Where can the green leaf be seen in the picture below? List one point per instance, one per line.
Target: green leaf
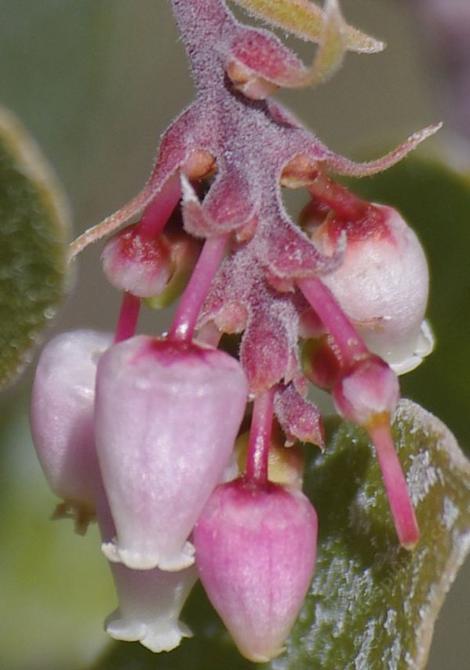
(371, 604)
(435, 200)
(34, 226)
(55, 585)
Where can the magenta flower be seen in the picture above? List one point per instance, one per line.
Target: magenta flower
(255, 549)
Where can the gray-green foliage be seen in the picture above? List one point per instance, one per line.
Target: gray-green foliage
(33, 233)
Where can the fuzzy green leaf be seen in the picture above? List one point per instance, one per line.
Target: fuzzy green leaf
(371, 604)
(33, 230)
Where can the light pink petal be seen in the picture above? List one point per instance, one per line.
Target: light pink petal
(167, 415)
(255, 550)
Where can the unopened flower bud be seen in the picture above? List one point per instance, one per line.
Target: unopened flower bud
(167, 415)
(382, 284)
(62, 418)
(138, 265)
(368, 390)
(255, 550)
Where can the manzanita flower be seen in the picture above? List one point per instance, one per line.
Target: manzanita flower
(382, 283)
(167, 415)
(62, 418)
(255, 550)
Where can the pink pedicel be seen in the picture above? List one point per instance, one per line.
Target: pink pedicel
(62, 418)
(382, 284)
(255, 552)
(403, 513)
(368, 395)
(167, 415)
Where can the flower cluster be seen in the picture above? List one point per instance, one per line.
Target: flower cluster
(149, 434)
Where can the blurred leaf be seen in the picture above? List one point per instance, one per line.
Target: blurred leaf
(371, 604)
(435, 200)
(55, 585)
(33, 230)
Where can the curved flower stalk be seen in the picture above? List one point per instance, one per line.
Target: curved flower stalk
(168, 409)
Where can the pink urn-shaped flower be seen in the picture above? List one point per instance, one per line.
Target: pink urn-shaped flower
(255, 551)
(382, 284)
(62, 417)
(167, 415)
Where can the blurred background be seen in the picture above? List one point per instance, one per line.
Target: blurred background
(96, 82)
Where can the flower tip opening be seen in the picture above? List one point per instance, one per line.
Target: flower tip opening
(144, 560)
(150, 603)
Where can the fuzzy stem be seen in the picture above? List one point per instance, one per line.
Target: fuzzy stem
(159, 210)
(128, 317)
(395, 484)
(191, 301)
(260, 439)
(201, 23)
(349, 343)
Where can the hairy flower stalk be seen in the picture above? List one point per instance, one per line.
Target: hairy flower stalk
(348, 283)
